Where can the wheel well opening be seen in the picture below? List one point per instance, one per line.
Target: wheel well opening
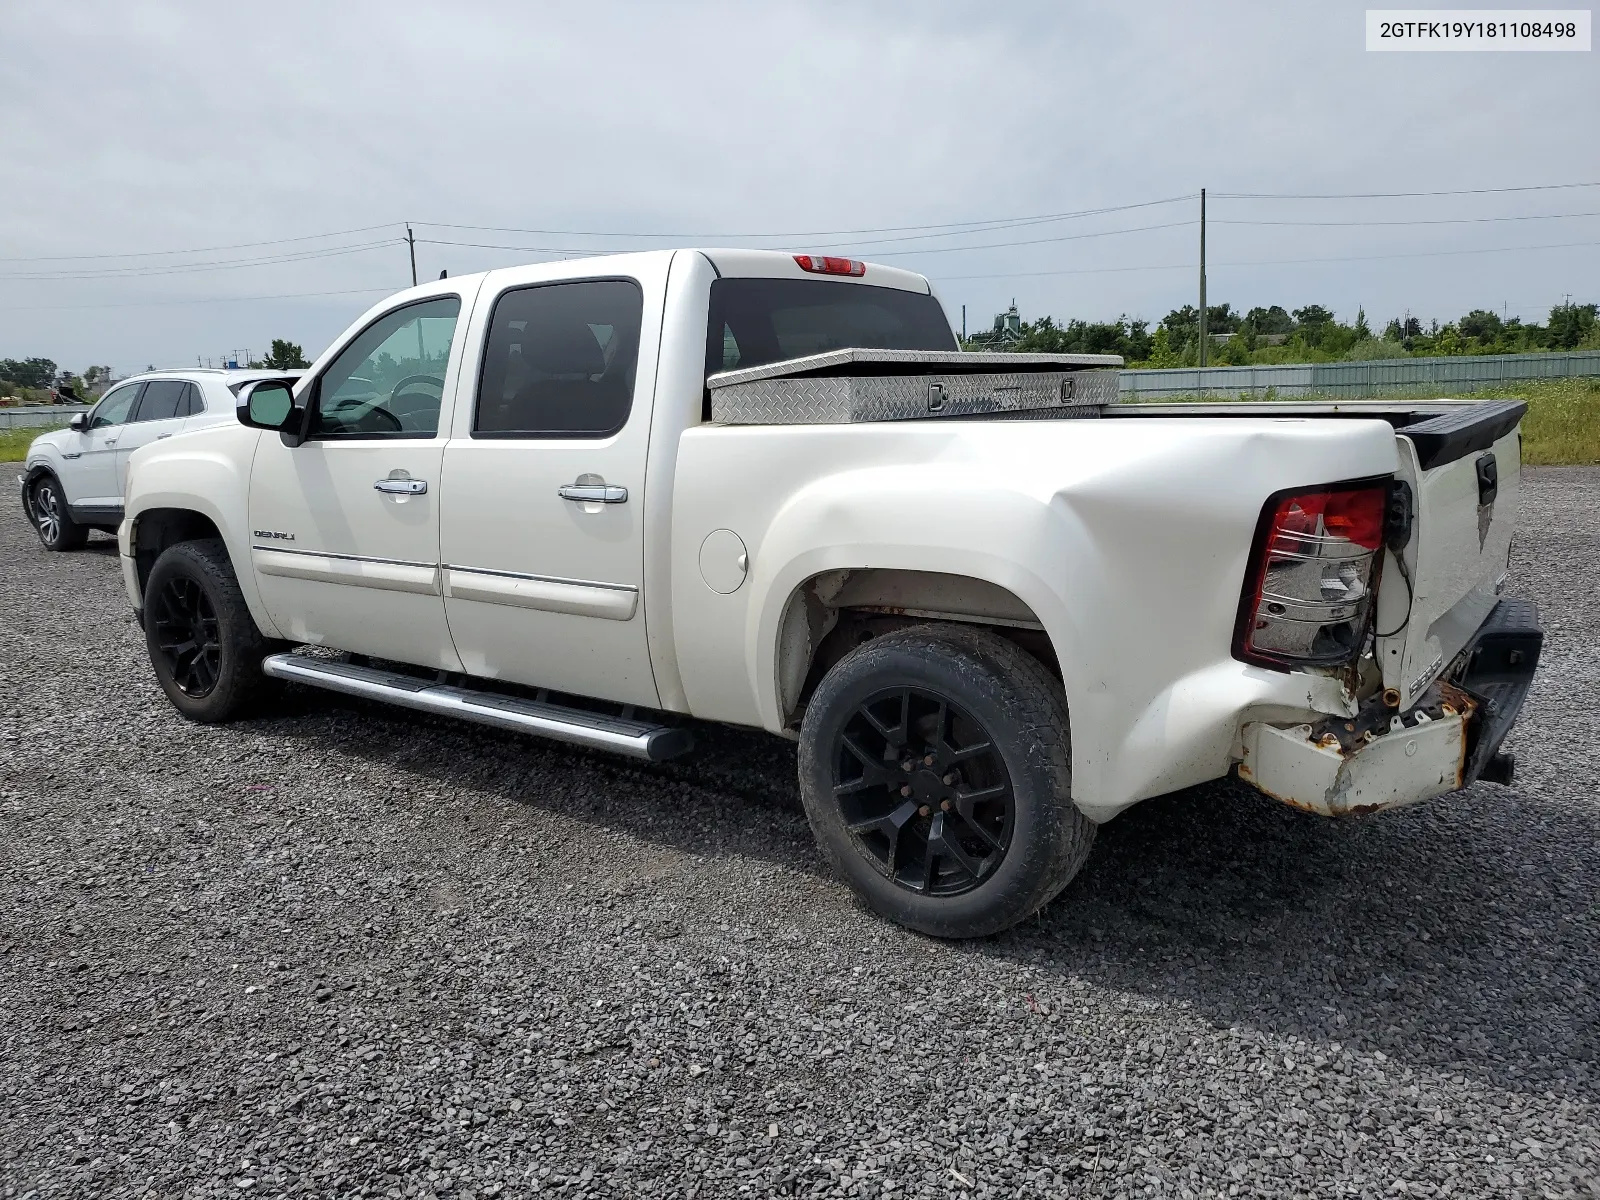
(158, 528)
(831, 614)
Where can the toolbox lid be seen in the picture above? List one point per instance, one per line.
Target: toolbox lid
(867, 362)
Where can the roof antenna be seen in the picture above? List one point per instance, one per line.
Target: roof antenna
(442, 274)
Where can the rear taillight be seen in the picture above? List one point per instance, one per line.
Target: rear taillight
(820, 264)
(1308, 592)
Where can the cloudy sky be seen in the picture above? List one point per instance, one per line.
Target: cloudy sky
(531, 129)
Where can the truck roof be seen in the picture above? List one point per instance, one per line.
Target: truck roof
(736, 263)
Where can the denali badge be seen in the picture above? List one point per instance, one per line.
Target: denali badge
(271, 535)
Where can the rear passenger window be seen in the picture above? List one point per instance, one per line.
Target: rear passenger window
(192, 403)
(560, 360)
(163, 399)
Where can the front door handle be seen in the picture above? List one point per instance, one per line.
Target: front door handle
(402, 487)
(594, 493)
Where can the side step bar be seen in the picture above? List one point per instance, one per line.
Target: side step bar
(637, 739)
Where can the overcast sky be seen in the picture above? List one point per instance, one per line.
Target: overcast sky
(132, 127)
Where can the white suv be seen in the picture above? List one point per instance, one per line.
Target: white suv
(75, 476)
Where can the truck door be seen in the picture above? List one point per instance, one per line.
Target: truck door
(542, 514)
(345, 526)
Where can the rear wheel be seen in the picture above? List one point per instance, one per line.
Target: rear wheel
(935, 769)
(203, 643)
(51, 519)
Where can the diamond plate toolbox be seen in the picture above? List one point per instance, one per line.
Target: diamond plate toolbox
(848, 386)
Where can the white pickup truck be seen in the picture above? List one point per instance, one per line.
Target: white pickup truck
(593, 500)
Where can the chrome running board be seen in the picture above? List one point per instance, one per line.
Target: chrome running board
(637, 739)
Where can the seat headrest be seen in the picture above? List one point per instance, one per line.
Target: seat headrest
(563, 347)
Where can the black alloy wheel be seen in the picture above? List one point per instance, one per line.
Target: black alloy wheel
(923, 791)
(187, 635)
(935, 767)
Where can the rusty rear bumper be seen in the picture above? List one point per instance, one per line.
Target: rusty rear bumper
(1382, 758)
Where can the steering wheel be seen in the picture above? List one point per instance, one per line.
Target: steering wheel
(406, 399)
(432, 381)
(375, 413)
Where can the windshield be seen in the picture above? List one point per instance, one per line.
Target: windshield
(759, 321)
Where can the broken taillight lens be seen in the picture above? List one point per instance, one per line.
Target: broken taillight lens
(1308, 592)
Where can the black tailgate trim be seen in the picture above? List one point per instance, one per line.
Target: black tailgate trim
(1452, 435)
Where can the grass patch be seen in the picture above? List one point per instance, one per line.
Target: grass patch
(14, 442)
(1562, 428)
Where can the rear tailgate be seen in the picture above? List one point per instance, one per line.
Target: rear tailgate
(1463, 468)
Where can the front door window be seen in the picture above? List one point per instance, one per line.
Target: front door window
(388, 382)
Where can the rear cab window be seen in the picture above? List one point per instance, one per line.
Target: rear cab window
(758, 321)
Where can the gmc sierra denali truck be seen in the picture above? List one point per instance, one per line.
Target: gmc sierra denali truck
(592, 500)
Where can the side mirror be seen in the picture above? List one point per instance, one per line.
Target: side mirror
(79, 422)
(266, 404)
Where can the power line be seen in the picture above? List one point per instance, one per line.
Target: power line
(1537, 187)
(384, 288)
(825, 233)
(953, 229)
(1070, 237)
(151, 269)
(202, 249)
(1271, 262)
(1418, 221)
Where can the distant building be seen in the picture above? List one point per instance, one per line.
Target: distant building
(1007, 331)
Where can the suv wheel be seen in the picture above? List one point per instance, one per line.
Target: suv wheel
(935, 769)
(54, 524)
(203, 643)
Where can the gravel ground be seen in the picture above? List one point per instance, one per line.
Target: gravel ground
(351, 951)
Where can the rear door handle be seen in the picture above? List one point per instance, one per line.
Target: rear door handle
(594, 493)
(402, 487)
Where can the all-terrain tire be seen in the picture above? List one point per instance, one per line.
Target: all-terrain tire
(1016, 707)
(47, 505)
(204, 646)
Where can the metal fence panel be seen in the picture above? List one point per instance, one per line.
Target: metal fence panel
(1361, 378)
(37, 417)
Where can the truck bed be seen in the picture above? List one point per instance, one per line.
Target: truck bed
(1441, 430)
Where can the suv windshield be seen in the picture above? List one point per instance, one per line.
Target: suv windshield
(759, 321)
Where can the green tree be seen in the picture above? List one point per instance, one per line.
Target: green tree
(1571, 324)
(1124, 336)
(1162, 353)
(1270, 320)
(285, 356)
(1363, 331)
(28, 372)
(1481, 325)
(1183, 328)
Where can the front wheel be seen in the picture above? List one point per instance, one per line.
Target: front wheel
(51, 519)
(935, 768)
(203, 643)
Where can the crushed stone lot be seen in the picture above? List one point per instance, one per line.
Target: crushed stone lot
(353, 951)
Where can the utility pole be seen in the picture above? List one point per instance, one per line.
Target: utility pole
(411, 242)
(963, 322)
(1204, 336)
